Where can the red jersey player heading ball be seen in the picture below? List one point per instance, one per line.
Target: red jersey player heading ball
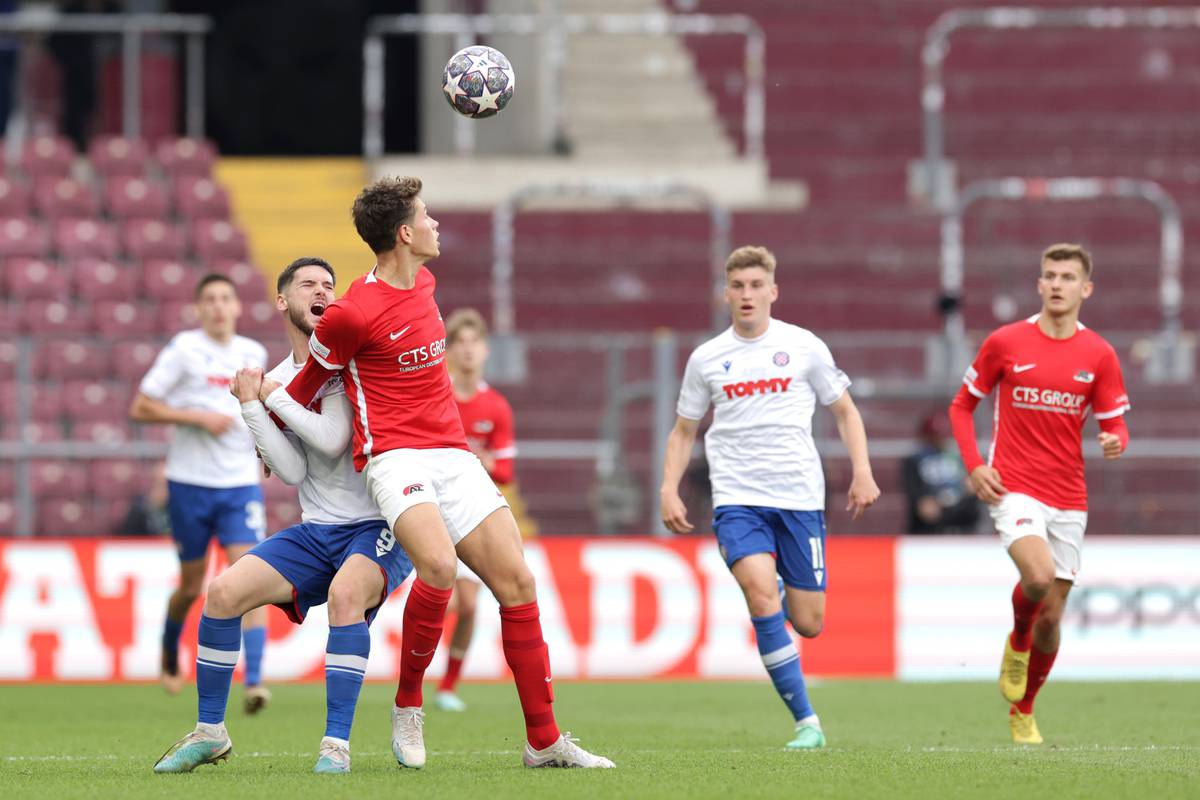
(386, 337)
(1049, 372)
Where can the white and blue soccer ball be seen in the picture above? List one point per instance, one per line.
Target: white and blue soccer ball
(478, 81)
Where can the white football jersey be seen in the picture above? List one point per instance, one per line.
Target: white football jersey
(193, 371)
(332, 492)
(763, 392)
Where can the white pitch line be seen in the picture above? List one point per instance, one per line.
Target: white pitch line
(1095, 748)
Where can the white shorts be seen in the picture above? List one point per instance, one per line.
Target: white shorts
(451, 479)
(1019, 515)
(465, 574)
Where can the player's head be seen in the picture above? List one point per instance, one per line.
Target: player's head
(390, 214)
(1065, 280)
(466, 341)
(304, 291)
(750, 287)
(217, 306)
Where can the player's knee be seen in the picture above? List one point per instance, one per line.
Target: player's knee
(763, 604)
(222, 599)
(346, 606)
(516, 588)
(1038, 583)
(809, 625)
(439, 570)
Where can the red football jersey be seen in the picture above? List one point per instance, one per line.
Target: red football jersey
(390, 346)
(1047, 387)
(488, 420)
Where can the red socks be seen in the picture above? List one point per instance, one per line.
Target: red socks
(450, 679)
(424, 615)
(1025, 611)
(1039, 668)
(529, 659)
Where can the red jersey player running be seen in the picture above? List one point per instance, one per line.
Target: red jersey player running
(1050, 372)
(386, 337)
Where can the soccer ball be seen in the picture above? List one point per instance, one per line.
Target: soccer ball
(478, 81)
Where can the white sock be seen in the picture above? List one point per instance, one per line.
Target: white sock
(811, 719)
(336, 741)
(215, 730)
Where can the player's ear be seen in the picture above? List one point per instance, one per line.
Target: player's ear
(1088, 288)
(403, 234)
(280, 303)
(774, 292)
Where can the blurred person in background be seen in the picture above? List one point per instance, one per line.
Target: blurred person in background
(212, 468)
(935, 482)
(148, 515)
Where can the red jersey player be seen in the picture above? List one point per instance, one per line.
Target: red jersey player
(1049, 372)
(386, 337)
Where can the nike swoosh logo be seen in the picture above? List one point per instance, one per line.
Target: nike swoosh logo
(547, 680)
(421, 655)
(399, 333)
(1023, 367)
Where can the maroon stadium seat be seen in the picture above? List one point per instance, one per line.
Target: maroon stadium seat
(164, 279)
(131, 359)
(121, 318)
(101, 279)
(8, 516)
(54, 316)
(9, 353)
(200, 197)
(215, 239)
(58, 197)
(58, 478)
(186, 156)
(45, 401)
(60, 516)
(128, 197)
(41, 431)
(27, 278)
(116, 155)
(259, 319)
(119, 477)
(102, 431)
(8, 479)
(23, 237)
(71, 358)
(176, 316)
(91, 401)
(14, 198)
(250, 283)
(47, 155)
(144, 239)
(76, 238)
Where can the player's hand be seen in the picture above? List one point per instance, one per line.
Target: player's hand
(245, 383)
(862, 495)
(268, 385)
(214, 422)
(1110, 443)
(986, 484)
(674, 513)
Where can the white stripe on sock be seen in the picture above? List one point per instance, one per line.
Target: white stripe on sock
(353, 662)
(213, 665)
(344, 671)
(225, 657)
(780, 656)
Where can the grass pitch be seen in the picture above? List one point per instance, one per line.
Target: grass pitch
(670, 740)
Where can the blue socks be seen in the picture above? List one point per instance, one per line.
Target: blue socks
(782, 661)
(345, 665)
(216, 656)
(254, 639)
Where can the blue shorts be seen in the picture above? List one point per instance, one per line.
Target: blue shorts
(198, 513)
(309, 555)
(795, 538)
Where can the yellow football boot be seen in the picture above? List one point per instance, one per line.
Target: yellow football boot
(1024, 728)
(1014, 672)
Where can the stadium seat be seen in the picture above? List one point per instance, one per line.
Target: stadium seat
(186, 156)
(260, 319)
(176, 316)
(54, 316)
(32, 278)
(57, 197)
(200, 197)
(92, 400)
(164, 279)
(71, 358)
(9, 354)
(58, 516)
(8, 516)
(8, 478)
(101, 279)
(120, 318)
(118, 477)
(102, 431)
(129, 197)
(117, 155)
(35, 432)
(58, 478)
(215, 239)
(76, 238)
(131, 358)
(144, 239)
(47, 155)
(23, 237)
(14, 198)
(250, 283)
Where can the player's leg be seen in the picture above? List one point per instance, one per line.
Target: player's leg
(466, 591)
(1021, 524)
(189, 508)
(241, 524)
(249, 583)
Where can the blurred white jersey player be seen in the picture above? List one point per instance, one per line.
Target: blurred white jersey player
(212, 471)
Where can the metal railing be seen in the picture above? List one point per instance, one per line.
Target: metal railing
(131, 28)
(937, 45)
(467, 28)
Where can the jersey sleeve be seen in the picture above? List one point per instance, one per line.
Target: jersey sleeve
(340, 334)
(1109, 398)
(823, 375)
(165, 373)
(503, 439)
(694, 396)
(987, 368)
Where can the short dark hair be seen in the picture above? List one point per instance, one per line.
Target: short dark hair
(381, 208)
(211, 278)
(289, 272)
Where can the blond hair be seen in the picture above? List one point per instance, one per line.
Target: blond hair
(750, 256)
(464, 319)
(1069, 252)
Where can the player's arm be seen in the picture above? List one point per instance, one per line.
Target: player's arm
(162, 377)
(1111, 401)
(502, 444)
(337, 339)
(680, 442)
(327, 432)
(282, 456)
(863, 489)
(981, 377)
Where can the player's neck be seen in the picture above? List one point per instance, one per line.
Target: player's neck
(1058, 326)
(220, 337)
(466, 384)
(398, 268)
(752, 332)
(298, 339)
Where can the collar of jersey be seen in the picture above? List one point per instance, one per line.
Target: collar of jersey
(733, 331)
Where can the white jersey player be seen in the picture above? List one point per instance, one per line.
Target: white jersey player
(764, 378)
